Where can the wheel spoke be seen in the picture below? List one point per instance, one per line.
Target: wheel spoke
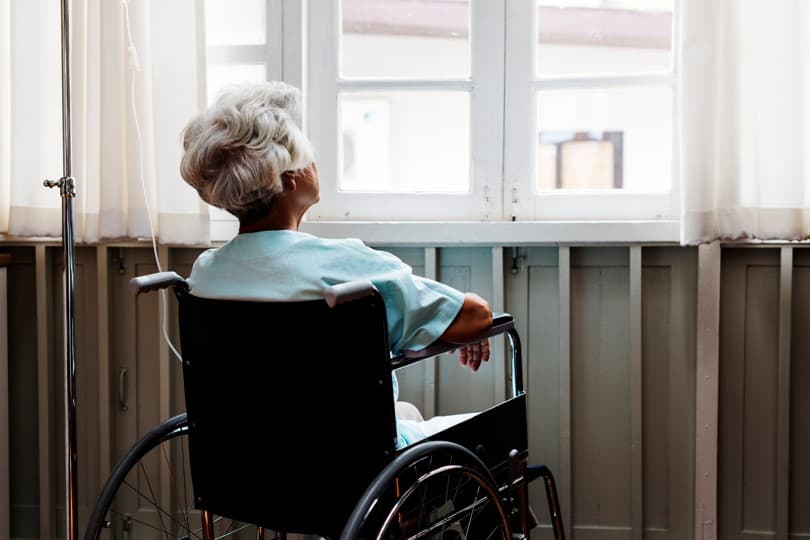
(116, 501)
(160, 510)
(154, 499)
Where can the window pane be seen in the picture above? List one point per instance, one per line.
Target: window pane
(614, 138)
(222, 75)
(585, 37)
(405, 142)
(405, 38)
(229, 24)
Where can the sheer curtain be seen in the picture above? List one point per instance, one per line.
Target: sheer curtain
(746, 120)
(109, 164)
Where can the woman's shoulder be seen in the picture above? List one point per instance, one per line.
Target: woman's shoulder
(336, 244)
(353, 253)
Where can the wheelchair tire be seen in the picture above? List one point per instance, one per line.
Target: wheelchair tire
(129, 508)
(433, 490)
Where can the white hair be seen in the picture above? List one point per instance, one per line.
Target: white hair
(236, 151)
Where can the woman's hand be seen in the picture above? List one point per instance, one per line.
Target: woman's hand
(472, 355)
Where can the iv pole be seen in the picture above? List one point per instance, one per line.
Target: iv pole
(67, 190)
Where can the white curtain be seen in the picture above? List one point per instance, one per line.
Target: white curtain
(109, 164)
(745, 119)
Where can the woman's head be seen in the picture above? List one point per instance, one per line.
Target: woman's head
(238, 149)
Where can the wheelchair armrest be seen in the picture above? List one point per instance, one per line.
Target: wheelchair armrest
(159, 280)
(501, 323)
(348, 292)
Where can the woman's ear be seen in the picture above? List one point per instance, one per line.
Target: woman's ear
(289, 180)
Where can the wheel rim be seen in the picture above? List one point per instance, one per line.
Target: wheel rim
(456, 518)
(439, 496)
(149, 496)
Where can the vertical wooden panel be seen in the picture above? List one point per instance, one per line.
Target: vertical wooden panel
(5, 499)
(540, 331)
(459, 389)
(783, 394)
(564, 291)
(47, 481)
(707, 380)
(749, 346)
(636, 396)
(760, 399)
(800, 398)
(534, 299)
(668, 373)
(600, 381)
(105, 428)
(657, 394)
(23, 380)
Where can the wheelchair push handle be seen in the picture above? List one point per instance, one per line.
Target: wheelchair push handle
(154, 282)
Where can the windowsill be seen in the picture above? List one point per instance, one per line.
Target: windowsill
(499, 233)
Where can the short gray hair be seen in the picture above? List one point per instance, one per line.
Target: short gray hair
(236, 151)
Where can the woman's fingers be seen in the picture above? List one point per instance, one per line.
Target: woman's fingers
(473, 355)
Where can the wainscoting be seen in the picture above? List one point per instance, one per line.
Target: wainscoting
(668, 386)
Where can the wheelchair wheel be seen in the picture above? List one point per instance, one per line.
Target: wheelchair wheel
(434, 490)
(133, 504)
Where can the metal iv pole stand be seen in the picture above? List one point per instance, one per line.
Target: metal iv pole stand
(67, 189)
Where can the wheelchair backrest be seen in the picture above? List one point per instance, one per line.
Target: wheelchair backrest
(290, 407)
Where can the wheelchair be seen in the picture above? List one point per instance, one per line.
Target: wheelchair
(290, 428)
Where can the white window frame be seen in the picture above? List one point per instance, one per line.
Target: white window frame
(522, 84)
(484, 200)
(607, 217)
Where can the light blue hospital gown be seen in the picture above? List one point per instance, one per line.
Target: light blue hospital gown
(291, 266)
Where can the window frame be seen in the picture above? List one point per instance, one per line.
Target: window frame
(563, 217)
(522, 85)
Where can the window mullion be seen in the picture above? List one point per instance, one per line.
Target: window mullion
(519, 109)
(487, 113)
(273, 40)
(322, 121)
(293, 45)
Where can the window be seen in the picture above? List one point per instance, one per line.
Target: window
(600, 79)
(405, 109)
(471, 110)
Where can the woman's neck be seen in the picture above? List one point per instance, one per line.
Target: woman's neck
(280, 218)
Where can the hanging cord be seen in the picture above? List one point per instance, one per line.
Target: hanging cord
(135, 67)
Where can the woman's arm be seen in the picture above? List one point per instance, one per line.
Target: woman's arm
(474, 318)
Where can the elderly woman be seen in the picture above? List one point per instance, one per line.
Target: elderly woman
(248, 155)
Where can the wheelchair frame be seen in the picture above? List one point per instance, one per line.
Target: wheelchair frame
(502, 471)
